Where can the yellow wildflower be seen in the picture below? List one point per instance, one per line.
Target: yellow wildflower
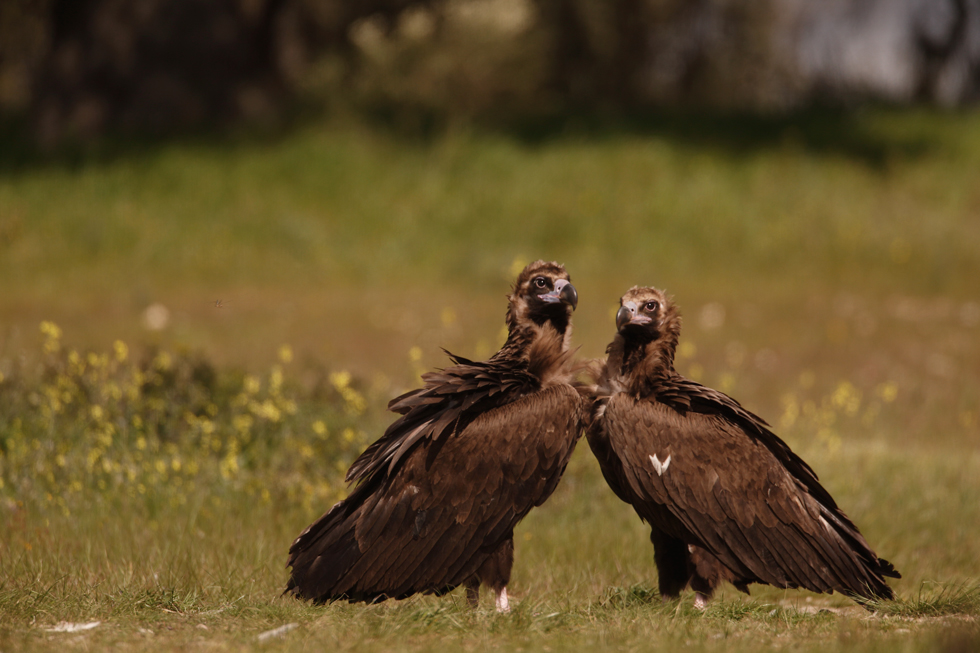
(275, 380)
(122, 351)
(163, 361)
(341, 379)
(791, 411)
(53, 333)
(251, 384)
(50, 329)
(229, 466)
(355, 403)
(846, 397)
(242, 423)
(887, 391)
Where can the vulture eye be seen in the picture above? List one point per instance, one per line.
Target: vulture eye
(540, 282)
(651, 306)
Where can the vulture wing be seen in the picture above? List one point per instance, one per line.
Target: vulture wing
(448, 401)
(699, 467)
(432, 505)
(685, 396)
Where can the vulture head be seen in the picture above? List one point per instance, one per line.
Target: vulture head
(649, 326)
(542, 295)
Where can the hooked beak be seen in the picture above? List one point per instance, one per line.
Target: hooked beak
(627, 315)
(564, 292)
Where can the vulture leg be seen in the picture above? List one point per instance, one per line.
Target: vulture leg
(495, 574)
(503, 605)
(707, 573)
(473, 592)
(671, 558)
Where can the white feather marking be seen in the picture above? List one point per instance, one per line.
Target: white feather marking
(602, 411)
(660, 467)
(414, 489)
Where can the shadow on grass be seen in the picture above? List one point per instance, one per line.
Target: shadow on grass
(20, 152)
(854, 134)
(820, 131)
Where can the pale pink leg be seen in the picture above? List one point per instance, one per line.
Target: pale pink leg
(700, 601)
(503, 605)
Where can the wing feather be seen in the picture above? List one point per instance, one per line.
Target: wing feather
(731, 487)
(451, 397)
(465, 515)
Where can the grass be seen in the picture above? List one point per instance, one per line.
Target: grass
(152, 479)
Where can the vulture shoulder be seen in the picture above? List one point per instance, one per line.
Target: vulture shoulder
(448, 401)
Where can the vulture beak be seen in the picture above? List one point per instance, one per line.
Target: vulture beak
(627, 315)
(564, 292)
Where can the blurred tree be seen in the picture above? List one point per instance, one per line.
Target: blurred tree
(156, 65)
(23, 43)
(87, 66)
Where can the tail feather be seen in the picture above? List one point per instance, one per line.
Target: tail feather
(324, 552)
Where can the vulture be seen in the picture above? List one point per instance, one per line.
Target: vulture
(437, 497)
(725, 498)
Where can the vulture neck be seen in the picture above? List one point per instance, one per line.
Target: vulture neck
(640, 365)
(540, 349)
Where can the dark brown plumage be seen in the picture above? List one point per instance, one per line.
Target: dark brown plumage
(439, 494)
(725, 498)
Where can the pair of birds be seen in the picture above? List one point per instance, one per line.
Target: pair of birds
(437, 497)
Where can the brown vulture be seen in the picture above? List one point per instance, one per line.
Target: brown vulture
(725, 498)
(439, 494)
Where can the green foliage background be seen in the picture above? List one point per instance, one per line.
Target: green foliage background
(152, 479)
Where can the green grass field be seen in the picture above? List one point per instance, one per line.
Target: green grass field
(152, 479)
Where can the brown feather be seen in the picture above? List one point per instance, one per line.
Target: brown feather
(745, 505)
(438, 495)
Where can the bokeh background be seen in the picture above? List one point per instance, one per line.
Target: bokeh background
(230, 231)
